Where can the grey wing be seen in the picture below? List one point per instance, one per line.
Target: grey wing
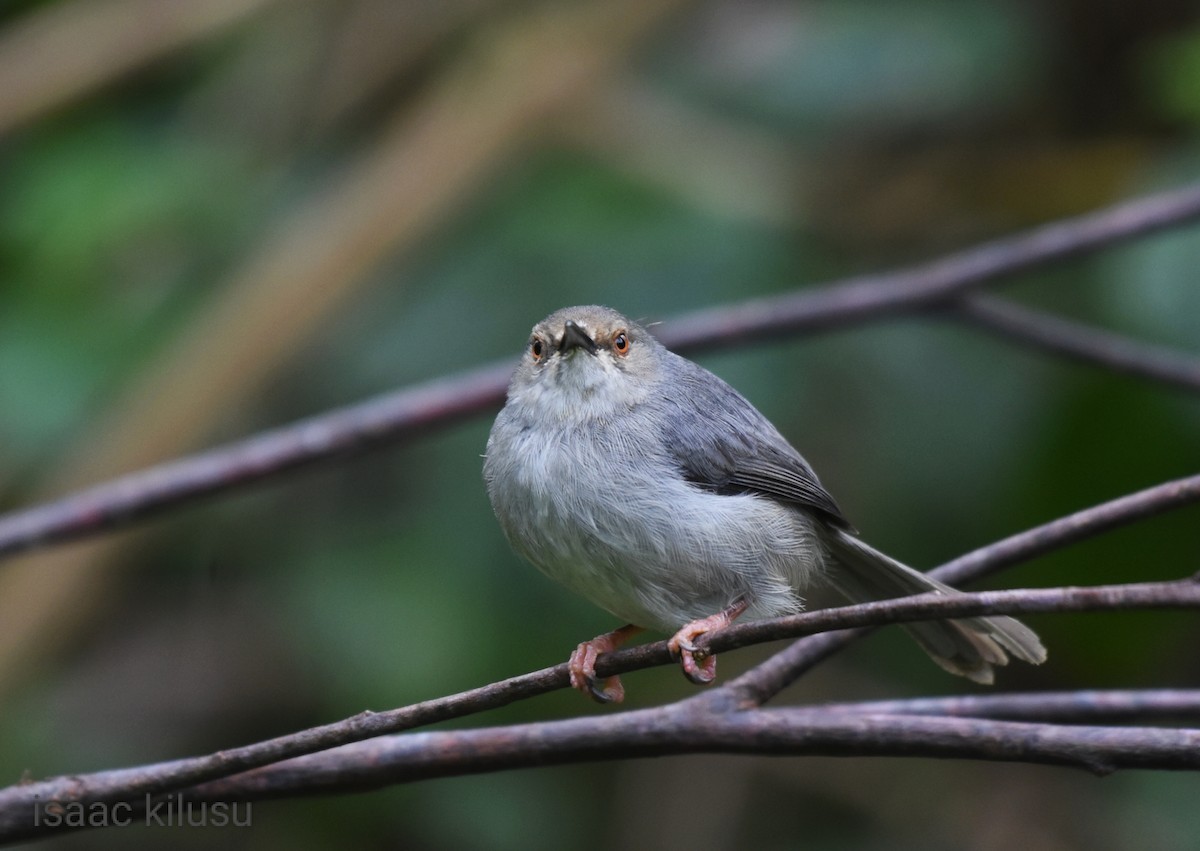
(724, 444)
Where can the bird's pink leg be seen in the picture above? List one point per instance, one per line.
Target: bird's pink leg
(681, 647)
(582, 665)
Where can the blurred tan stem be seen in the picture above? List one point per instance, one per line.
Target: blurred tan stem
(66, 50)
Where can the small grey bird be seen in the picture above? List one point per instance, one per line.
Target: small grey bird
(650, 486)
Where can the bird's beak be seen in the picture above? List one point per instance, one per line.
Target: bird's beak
(575, 337)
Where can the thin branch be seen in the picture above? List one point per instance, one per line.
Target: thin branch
(1080, 342)
(1061, 706)
(1071, 529)
(769, 678)
(128, 784)
(870, 296)
(398, 416)
(383, 419)
(134, 783)
(1181, 594)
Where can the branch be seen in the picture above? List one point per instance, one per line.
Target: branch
(1062, 706)
(674, 730)
(1071, 529)
(870, 296)
(1179, 594)
(16, 803)
(682, 729)
(384, 419)
(1080, 342)
(677, 730)
(399, 416)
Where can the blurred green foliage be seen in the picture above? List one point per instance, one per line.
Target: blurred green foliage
(907, 129)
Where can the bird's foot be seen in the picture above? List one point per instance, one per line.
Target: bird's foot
(698, 666)
(582, 665)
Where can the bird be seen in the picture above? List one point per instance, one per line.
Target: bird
(648, 485)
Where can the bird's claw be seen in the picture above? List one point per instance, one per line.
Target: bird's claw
(610, 692)
(698, 666)
(701, 671)
(684, 645)
(581, 667)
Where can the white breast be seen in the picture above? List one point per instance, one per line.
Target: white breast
(645, 545)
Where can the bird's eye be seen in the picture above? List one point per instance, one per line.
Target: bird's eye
(620, 343)
(536, 348)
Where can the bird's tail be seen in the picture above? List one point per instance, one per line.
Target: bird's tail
(965, 646)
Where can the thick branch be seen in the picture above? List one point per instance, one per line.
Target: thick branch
(660, 732)
(675, 730)
(774, 732)
(400, 415)
(1080, 342)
